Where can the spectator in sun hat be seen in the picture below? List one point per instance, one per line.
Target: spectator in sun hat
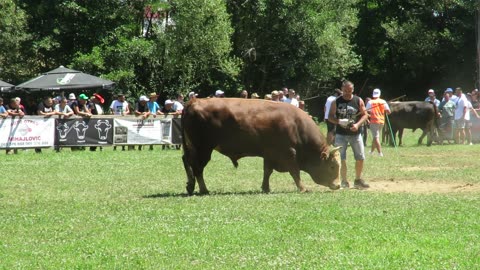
(431, 98)
(153, 105)
(254, 96)
(219, 94)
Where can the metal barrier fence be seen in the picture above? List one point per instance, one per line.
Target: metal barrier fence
(101, 130)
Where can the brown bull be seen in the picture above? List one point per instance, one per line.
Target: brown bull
(285, 136)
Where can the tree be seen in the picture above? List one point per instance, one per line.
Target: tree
(409, 46)
(13, 32)
(302, 44)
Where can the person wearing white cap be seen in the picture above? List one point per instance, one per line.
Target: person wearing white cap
(168, 108)
(192, 95)
(431, 98)
(141, 108)
(377, 109)
(219, 94)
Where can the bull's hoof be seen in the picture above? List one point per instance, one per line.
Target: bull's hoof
(304, 190)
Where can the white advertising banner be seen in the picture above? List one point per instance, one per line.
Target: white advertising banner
(27, 132)
(137, 131)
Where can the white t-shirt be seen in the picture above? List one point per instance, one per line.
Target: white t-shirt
(66, 109)
(328, 104)
(118, 107)
(177, 106)
(460, 104)
(292, 101)
(469, 107)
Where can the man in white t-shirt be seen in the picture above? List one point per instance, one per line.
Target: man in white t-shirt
(292, 98)
(178, 104)
(119, 106)
(468, 122)
(460, 112)
(330, 126)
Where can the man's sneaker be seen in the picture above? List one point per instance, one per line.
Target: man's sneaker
(380, 154)
(360, 183)
(345, 184)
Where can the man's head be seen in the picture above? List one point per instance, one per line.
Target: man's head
(347, 87)
(275, 95)
(291, 93)
(47, 101)
(376, 93)
(180, 97)
(72, 96)
(458, 91)
(244, 94)
(431, 93)
(121, 97)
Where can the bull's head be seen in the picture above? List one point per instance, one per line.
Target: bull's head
(326, 170)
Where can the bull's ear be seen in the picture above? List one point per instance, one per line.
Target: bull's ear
(335, 149)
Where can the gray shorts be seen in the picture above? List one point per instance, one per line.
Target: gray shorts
(355, 141)
(375, 130)
(459, 123)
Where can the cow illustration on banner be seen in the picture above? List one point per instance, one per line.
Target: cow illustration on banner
(83, 131)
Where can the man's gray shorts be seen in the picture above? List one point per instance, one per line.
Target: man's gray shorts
(355, 141)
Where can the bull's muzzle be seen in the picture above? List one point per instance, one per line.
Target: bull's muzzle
(334, 186)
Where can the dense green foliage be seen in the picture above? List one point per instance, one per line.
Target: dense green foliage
(173, 46)
(128, 210)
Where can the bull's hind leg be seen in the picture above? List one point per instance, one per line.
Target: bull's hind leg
(201, 159)
(267, 171)
(190, 176)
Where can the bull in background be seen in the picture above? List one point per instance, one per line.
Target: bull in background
(285, 136)
(413, 115)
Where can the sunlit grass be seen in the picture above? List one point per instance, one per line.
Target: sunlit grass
(128, 210)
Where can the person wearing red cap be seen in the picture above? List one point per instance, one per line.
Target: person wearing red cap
(95, 106)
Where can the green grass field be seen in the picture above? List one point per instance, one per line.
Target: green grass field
(128, 210)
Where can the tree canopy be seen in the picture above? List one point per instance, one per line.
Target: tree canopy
(169, 46)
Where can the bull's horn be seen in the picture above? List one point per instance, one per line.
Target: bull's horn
(335, 149)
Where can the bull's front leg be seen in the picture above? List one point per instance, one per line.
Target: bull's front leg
(296, 177)
(267, 171)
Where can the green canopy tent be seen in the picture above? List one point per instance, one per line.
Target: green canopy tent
(64, 79)
(5, 87)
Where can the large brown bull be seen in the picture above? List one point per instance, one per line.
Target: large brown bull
(285, 136)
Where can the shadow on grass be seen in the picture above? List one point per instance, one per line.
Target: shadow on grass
(240, 193)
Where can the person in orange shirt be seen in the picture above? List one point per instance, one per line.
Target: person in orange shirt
(377, 109)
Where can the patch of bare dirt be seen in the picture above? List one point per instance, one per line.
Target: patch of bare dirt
(422, 187)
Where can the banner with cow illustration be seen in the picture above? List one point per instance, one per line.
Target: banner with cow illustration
(137, 131)
(31, 132)
(84, 131)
